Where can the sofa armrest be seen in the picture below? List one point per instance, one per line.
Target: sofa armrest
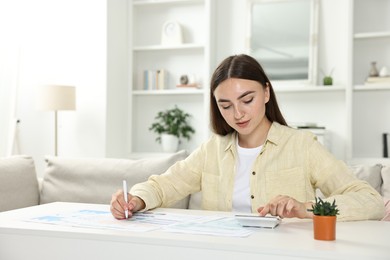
(18, 182)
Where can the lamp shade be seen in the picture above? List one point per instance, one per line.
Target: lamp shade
(56, 98)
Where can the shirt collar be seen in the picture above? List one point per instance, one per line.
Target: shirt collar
(274, 134)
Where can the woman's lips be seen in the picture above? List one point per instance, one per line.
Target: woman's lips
(243, 124)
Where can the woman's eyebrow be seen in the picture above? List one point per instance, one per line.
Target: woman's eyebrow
(239, 97)
(221, 100)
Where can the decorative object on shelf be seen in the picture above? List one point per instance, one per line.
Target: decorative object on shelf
(327, 80)
(382, 78)
(373, 70)
(384, 72)
(188, 81)
(172, 122)
(320, 131)
(324, 219)
(385, 81)
(183, 79)
(56, 98)
(171, 33)
(385, 145)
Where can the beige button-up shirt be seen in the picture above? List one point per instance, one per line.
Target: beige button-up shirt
(292, 162)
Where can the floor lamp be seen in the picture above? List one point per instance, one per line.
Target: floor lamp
(57, 98)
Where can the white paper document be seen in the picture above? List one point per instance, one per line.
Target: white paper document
(211, 225)
(147, 221)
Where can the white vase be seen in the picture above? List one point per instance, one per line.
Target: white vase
(384, 72)
(169, 143)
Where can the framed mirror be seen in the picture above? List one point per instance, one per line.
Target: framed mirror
(283, 38)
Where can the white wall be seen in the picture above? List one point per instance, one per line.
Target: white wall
(60, 42)
(117, 80)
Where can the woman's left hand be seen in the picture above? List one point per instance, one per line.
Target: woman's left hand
(286, 207)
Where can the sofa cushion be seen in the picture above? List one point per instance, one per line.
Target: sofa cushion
(92, 180)
(386, 182)
(18, 182)
(370, 173)
(195, 201)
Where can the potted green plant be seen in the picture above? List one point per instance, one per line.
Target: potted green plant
(171, 125)
(324, 219)
(327, 80)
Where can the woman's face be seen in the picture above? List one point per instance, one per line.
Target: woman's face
(242, 104)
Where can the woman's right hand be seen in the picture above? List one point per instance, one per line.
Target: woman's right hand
(119, 205)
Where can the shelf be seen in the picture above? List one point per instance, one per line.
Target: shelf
(292, 89)
(201, 91)
(159, 2)
(168, 92)
(371, 35)
(185, 46)
(371, 87)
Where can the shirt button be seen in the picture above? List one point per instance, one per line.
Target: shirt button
(253, 173)
(252, 197)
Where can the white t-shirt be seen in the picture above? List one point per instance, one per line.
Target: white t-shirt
(241, 191)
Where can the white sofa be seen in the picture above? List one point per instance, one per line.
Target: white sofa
(92, 180)
(88, 180)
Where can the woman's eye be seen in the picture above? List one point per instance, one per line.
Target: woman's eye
(225, 107)
(248, 101)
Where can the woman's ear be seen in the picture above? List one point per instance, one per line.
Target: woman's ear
(267, 92)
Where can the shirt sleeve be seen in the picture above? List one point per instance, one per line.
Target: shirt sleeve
(180, 180)
(355, 198)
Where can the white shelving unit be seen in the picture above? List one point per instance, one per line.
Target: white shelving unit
(192, 57)
(146, 51)
(370, 103)
(354, 114)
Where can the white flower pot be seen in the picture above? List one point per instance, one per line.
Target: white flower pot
(169, 143)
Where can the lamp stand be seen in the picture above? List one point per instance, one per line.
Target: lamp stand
(55, 132)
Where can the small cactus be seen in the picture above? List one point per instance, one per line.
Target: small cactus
(324, 208)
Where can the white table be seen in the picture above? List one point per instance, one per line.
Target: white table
(293, 239)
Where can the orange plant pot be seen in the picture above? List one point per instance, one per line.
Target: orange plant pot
(324, 227)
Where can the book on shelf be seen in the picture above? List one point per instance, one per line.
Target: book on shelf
(378, 80)
(155, 79)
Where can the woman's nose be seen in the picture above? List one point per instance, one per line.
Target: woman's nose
(238, 114)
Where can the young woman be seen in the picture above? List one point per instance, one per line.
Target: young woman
(254, 162)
